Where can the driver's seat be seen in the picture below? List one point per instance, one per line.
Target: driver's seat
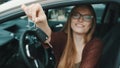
(111, 52)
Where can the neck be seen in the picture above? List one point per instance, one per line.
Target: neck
(78, 38)
(79, 44)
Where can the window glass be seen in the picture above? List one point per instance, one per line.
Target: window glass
(61, 14)
(57, 17)
(3, 1)
(99, 10)
(118, 18)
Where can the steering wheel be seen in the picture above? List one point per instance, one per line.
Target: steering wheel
(32, 50)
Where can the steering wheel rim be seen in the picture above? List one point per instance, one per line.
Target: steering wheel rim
(26, 49)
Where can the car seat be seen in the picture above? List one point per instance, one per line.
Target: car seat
(111, 53)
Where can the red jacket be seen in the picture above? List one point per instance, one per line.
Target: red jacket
(90, 55)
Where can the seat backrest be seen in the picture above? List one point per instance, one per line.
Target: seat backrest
(111, 53)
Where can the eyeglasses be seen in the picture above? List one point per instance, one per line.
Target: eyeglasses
(85, 17)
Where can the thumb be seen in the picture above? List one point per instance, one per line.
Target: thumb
(24, 7)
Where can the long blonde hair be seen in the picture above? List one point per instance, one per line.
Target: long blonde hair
(69, 54)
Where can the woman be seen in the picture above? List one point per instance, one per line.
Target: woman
(75, 46)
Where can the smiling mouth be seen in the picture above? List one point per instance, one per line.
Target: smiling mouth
(79, 25)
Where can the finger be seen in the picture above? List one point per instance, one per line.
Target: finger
(39, 12)
(40, 7)
(24, 7)
(41, 18)
(27, 10)
(34, 12)
(33, 15)
(40, 15)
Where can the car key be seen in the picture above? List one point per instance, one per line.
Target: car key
(41, 35)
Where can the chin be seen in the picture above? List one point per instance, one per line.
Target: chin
(80, 32)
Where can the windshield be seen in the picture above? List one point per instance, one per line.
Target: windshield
(3, 1)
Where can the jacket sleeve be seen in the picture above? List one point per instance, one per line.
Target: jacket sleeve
(92, 54)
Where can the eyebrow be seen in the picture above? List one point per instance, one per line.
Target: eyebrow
(81, 14)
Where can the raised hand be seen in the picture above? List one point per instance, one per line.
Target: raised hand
(37, 15)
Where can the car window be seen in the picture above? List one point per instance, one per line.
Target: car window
(3, 1)
(99, 10)
(118, 20)
(57, 17)
(61, 14)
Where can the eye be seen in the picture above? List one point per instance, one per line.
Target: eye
(76, 15)
(88, 17)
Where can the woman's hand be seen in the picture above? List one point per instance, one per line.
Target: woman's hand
(37, 15)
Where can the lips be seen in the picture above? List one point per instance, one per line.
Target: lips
(80, 25)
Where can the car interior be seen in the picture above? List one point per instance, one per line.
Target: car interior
(110, 56)
(107, 29)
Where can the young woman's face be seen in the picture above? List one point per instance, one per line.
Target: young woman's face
(81, 20)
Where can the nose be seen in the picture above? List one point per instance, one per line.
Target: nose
(81, 19)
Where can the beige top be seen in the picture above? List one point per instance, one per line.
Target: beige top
(77, 65)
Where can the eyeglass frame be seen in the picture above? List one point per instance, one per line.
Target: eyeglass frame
(81, 15)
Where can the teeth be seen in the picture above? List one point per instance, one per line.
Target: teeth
(79, 25)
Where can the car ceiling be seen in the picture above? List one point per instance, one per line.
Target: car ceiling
(16, 11)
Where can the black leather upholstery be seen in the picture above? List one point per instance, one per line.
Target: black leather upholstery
(111, 53)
